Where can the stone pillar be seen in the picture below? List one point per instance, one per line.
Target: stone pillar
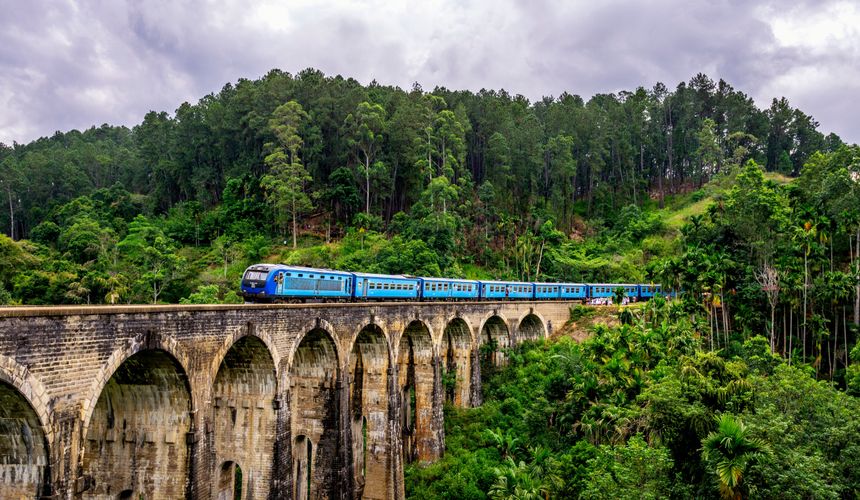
(476, 396)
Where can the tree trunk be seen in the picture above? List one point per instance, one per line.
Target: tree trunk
(790, 332)
(540, 257)
(11, 213)
(367, 182)
(857, 287)
(772, 328)
(845, 335)
(805, 290)
(295, 223)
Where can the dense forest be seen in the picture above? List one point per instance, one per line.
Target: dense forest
(753, 215)
(646, 410)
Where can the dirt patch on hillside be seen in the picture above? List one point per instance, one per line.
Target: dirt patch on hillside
(584, 318)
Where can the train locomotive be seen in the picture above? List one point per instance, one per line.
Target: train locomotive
(281, 283)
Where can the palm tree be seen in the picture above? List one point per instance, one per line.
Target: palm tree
(522, 481)
(505, 441)
(729, 450)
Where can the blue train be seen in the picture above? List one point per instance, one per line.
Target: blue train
(280, 283)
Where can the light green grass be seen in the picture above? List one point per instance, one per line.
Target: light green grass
(675, 219)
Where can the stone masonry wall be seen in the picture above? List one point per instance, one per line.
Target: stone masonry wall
(168, 401)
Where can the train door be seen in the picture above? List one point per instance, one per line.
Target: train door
(279, 284)
(364, 288)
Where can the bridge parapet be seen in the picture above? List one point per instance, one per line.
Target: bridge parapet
(282, 401)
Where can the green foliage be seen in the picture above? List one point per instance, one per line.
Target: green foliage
(211, 294)
(285, 183)
(153, 256)
(728, 451)
(642, 411)
(633, 470)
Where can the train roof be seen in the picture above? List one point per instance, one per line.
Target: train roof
(489, 282)
(385, 276)
(545, 283)
(613, 284)
(458, 280)
(287, 267)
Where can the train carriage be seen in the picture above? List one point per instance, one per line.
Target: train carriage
(547, 291)
(574, 291)
(650, 291)
(382, 286)
(607, 290)
(492, 290)
(449, 289)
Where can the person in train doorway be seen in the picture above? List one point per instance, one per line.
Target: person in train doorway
(507, 291)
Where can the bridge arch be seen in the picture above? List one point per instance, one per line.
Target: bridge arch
(494, 330)
(137, 437)
(24, 434)
(145, 341)
(244, 417)
(456, 357)
(416, 379)
(307, 327)
(369, 366)
(531, 326)
(249, 330)
(228, 481)
(31, 388)
(314, 382)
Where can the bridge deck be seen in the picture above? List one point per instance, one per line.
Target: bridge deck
(79, 310)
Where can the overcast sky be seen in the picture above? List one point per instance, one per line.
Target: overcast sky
(74, 64)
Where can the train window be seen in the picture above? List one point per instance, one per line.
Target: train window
(289, 274)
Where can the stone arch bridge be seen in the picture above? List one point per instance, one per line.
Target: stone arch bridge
(249, 401)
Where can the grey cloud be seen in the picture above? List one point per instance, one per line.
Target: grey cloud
(77, 64)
